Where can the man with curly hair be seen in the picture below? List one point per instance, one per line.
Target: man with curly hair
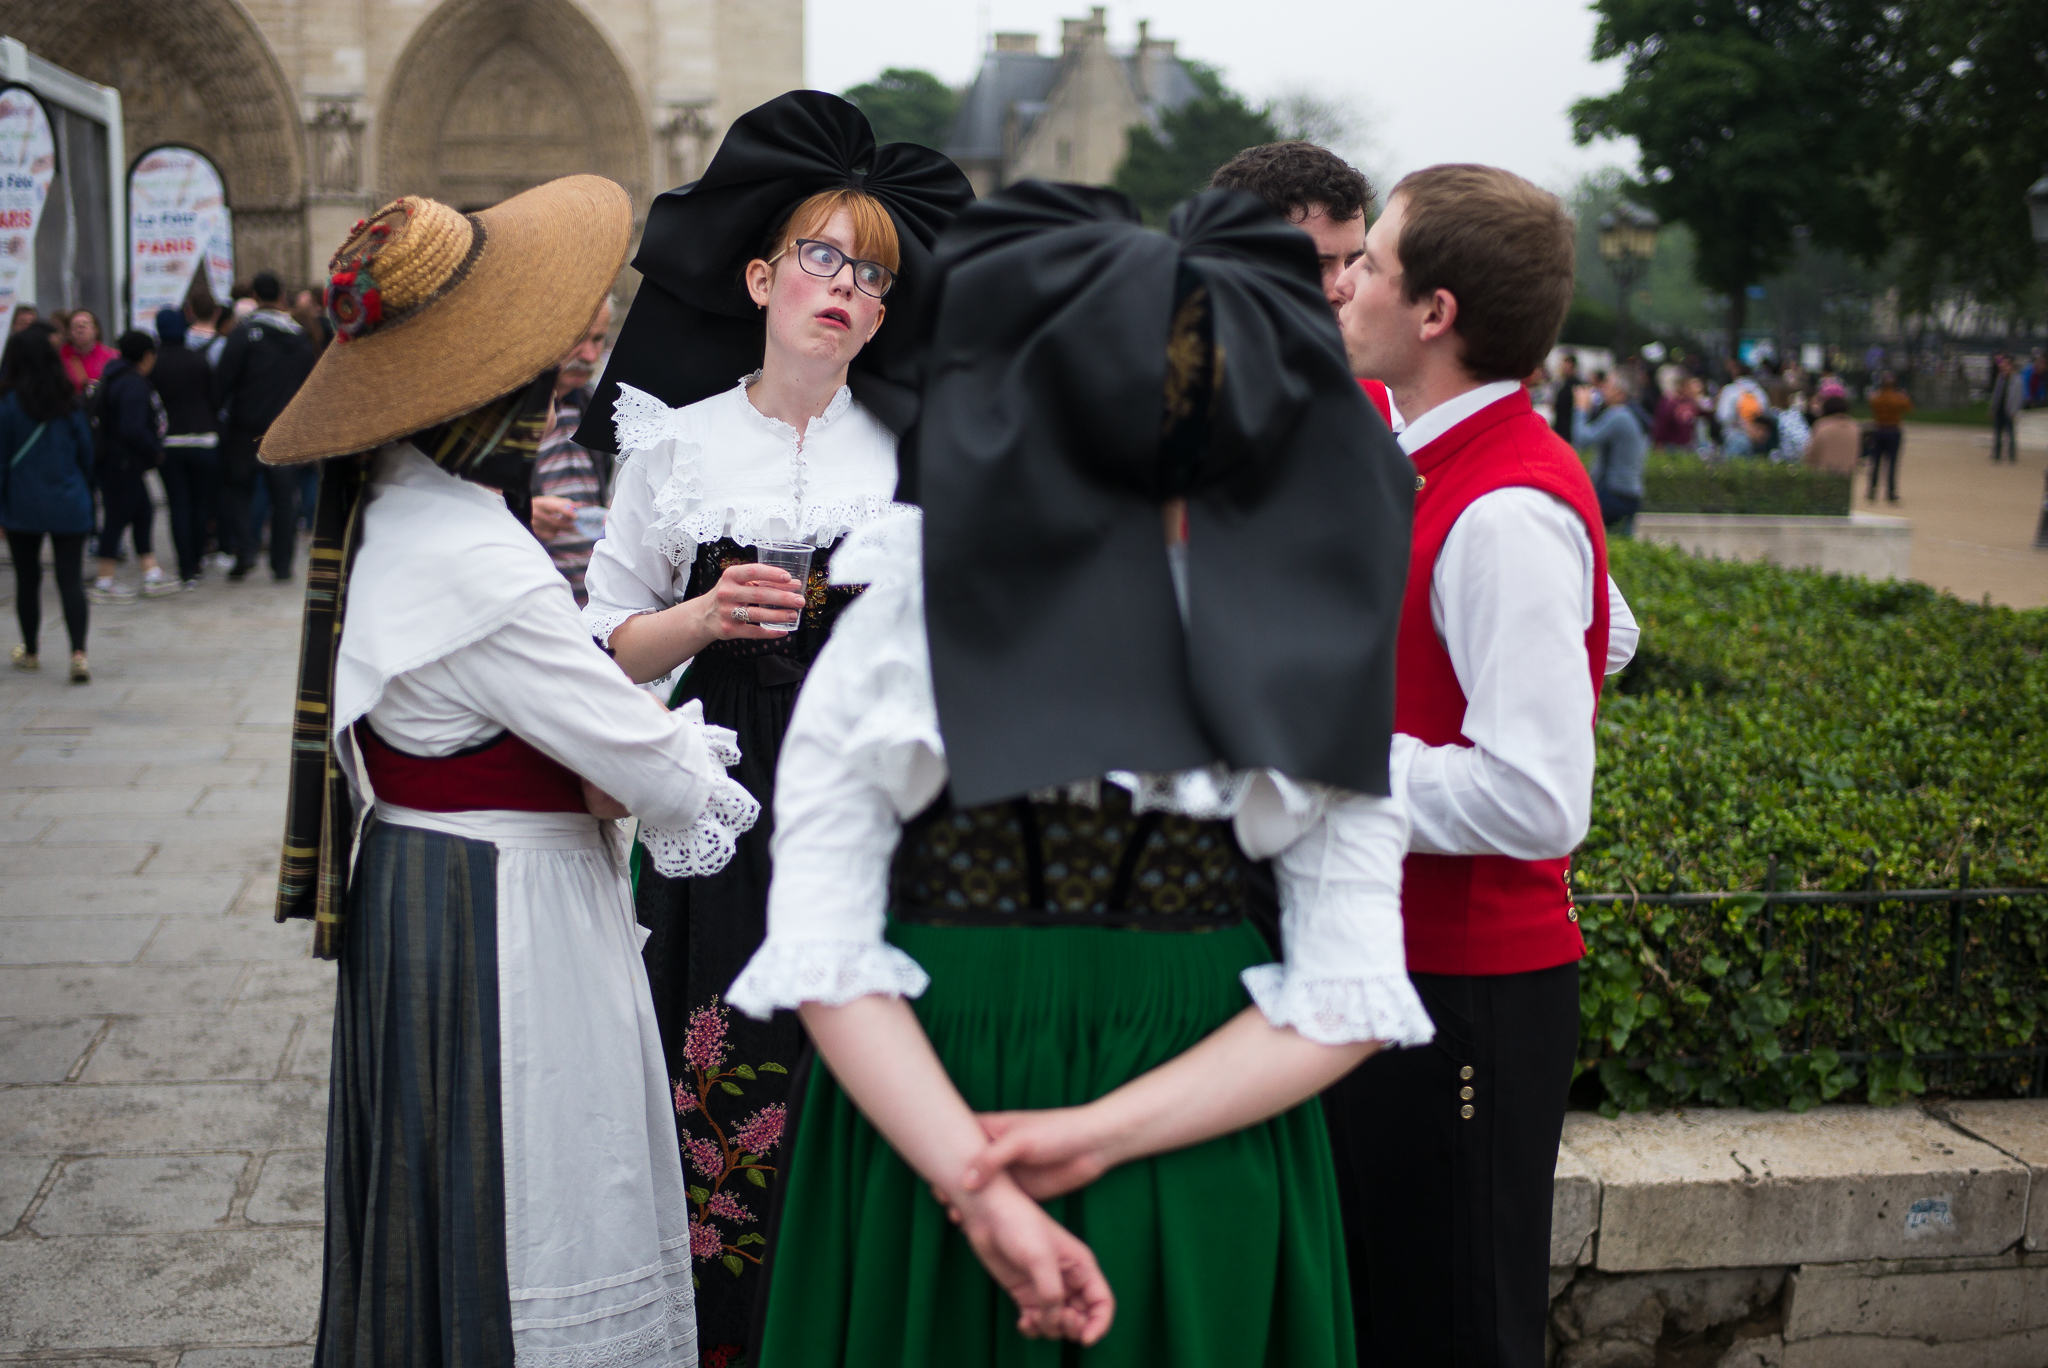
(1312, 188)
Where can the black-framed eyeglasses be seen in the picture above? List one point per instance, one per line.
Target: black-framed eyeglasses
(822, 259)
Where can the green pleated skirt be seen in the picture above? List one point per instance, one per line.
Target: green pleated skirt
(1227, 1254)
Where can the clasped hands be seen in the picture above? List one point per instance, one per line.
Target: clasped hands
(1032, 1157)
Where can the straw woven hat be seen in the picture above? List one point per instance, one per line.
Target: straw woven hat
(437, 312)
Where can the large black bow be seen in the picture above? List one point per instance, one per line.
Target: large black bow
(692, 330)
(1057, 649)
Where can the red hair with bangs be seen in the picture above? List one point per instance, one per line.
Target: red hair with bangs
(874, 232)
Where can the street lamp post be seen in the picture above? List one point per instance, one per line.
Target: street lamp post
(2037, 210)
(1628, 239)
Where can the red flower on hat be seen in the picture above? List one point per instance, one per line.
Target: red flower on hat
(354, 303)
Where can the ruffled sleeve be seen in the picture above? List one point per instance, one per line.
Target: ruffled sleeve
(638, 566)
(862, 753)
(707, 844)
(1344, 974)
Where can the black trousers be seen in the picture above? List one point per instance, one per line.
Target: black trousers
(1445, 1161)
(67, 552)
(192, 489)
(2005, 434)
(124, 507)
(1884, 456)
(239, 472)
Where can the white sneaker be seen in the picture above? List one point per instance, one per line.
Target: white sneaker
(110, 591)
(156, 584)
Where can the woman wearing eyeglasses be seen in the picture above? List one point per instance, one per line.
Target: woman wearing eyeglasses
(752, 403)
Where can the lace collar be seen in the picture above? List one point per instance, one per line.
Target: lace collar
(839, 404)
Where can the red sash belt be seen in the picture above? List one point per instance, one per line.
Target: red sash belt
(502, 774)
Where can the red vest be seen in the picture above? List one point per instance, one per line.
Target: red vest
(504, 774)
(1484, 914)
(1381, 400)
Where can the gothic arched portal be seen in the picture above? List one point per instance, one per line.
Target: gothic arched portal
(492, 97)
(195, 72)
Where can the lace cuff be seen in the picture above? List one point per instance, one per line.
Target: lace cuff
(707, 844)
(787, 973)
(1341, 1011)
(601, 624)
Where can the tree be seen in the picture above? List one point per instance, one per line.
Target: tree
(1754, 118)
(907, 105)
(1973, 123)
(1164, 167)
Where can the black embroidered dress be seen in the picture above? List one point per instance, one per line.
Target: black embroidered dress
(699, 487)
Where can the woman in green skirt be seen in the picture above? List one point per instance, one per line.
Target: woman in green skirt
(1126, 679)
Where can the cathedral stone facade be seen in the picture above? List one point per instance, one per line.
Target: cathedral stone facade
(317, 112)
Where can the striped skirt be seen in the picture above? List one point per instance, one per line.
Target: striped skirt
(503, 1183)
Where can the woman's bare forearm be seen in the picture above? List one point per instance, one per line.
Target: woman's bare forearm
(649, 645)
(879, 1052)
(1240, 1074)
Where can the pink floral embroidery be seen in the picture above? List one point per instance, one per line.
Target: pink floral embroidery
(724, 1157)
(704, 1043)
(730, 1207)
(762, 1131)
(705, 1157)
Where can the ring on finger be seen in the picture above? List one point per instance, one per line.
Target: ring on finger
(739, 613)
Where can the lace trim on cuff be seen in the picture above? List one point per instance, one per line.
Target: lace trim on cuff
(601, 625)
(786, 974)
(1341, 1011)
(707, 844)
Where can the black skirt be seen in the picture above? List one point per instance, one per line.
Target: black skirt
(731, 1073)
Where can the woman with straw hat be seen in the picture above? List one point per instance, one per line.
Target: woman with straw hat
(1021, 821)
(502, 1177)
(754, 393)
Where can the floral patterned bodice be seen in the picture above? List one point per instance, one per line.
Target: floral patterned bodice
(1068, 861)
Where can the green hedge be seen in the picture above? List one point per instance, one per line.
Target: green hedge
(1851, 730)
(1680, 482)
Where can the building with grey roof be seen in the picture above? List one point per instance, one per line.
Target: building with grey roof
(1064, 116)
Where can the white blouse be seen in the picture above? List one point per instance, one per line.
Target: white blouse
(458, 628)
(863, 755)
(722, 468)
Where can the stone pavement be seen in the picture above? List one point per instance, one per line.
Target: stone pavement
(1973, 522)
(163, 1043)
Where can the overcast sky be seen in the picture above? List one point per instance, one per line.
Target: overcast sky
(1434, 80)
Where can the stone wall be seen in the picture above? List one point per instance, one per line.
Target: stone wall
(1845, 1237)
(1872, 545)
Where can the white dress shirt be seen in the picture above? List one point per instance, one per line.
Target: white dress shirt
(1511, 596)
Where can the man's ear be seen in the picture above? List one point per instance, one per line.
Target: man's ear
(1442, 315)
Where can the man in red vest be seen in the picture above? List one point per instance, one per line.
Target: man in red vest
(1445, 1154)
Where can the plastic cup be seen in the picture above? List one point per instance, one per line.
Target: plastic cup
(590, 520)
(795, 557)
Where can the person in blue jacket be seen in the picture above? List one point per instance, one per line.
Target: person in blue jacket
(45, 488)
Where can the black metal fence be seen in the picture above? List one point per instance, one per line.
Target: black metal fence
(1953, 981)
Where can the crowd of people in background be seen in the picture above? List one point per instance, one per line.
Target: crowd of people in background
(1755, 411)
(1764, 410)
(82, 424)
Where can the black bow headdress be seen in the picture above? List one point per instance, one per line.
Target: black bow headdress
(1053, 427)
(693, 332)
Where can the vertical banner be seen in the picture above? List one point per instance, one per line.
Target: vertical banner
(178, 225)
(28, 163)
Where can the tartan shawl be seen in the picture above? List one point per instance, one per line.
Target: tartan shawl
(485, 444)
